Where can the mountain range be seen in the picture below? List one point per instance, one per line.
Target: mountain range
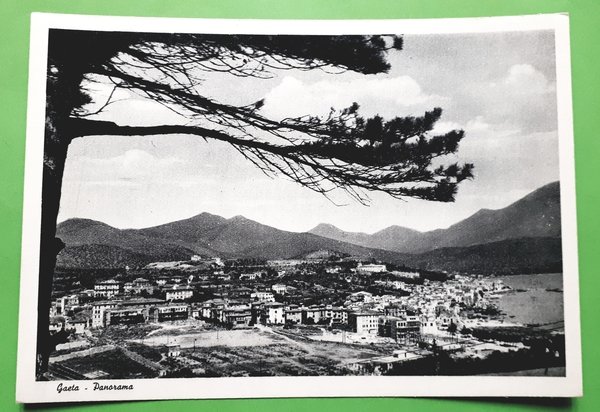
(524, 235)
(535, 215)
(88, 242)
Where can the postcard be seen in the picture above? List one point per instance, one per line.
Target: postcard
(251, 209)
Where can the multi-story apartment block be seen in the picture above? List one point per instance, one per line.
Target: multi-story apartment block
(179, 294)
(98, 309)
(262, 297)
(107, 289)
(66, 303)
(241, 315)
(408, 326)
(364, 322)
(125, 316)
(293, 316)
(273, 313)
(169, 312)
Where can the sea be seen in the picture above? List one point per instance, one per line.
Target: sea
(535, 299)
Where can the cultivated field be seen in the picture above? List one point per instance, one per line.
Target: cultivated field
(260, 351)
(212, 352)
(234, 338)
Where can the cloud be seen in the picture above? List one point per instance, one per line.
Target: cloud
(477, 124)
(131, 168)
(388, 96)
(508, 161)
(523, 99)
(445, 127)
(525, 78)
(473, 126)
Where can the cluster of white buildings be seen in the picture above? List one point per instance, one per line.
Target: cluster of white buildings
(114, 302)
(427, 309)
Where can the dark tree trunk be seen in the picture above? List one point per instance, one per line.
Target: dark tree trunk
(55, 149)
(70, 56)
(63, 95)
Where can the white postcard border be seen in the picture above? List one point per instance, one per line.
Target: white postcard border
(31, 391)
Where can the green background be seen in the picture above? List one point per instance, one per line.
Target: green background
(585, 37)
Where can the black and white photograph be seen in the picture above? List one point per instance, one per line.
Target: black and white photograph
(265, 209)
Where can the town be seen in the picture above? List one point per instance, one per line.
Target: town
(324, 314)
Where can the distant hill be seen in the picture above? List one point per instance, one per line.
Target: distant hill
(330, 231)
(505, 257)
(521, 238)
(204, 234)
(194, 230)
(387, 239)
(304, 245)
(77, 232)
(242, 237)
(96, 256)
(535, 215)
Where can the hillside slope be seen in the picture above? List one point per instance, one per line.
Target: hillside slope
(505, 257)
(535, 215)
(90, 243)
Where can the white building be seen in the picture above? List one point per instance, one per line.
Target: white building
(251, 276)
(161, 281)
(429, 325)
(370, 268)
(274, 313)
(364, 322)
(179, 294)
(67, 303)
(279, 289)
(98, 309)
(173, 350)
(361, 296)
(262, 297)
(217, 261)
(107, 289)
(339, 315)
(404, 274)
(170, 312)
(78, 326)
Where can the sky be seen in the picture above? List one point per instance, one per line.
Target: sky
(498, 87)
